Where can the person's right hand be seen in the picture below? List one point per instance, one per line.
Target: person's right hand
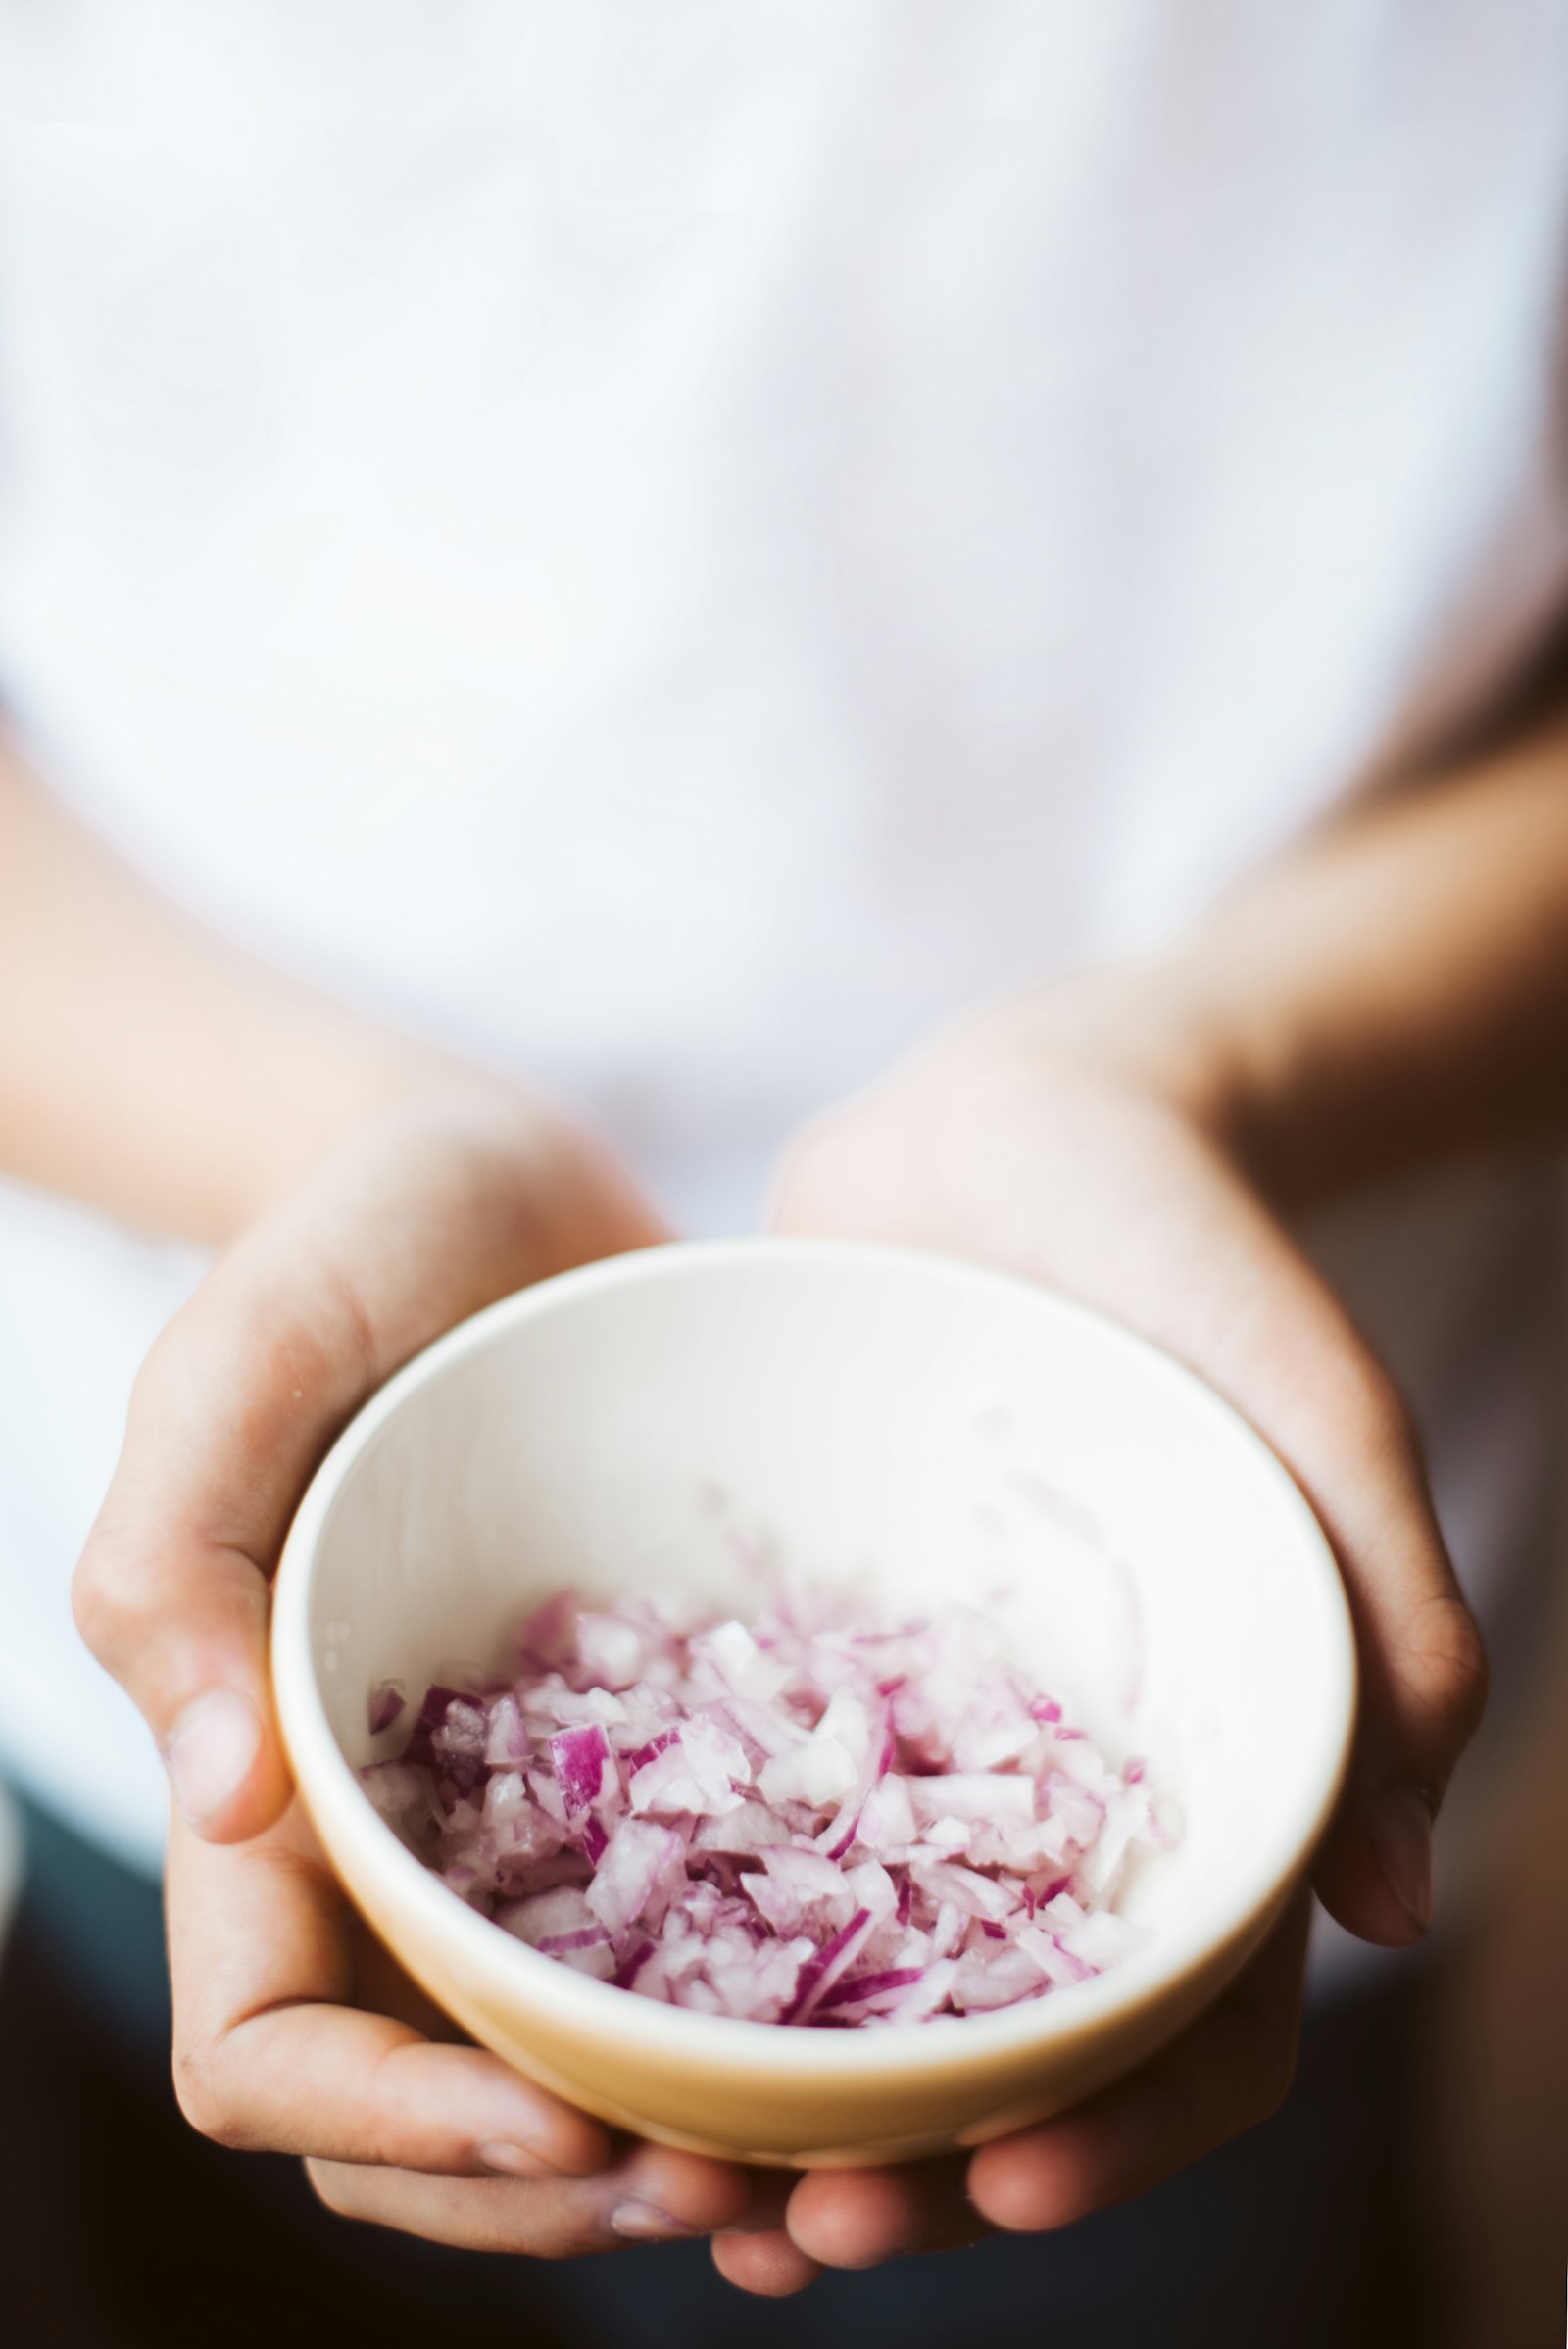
(292, 2030)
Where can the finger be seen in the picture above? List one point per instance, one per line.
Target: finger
(1423, 1680)
(1206, 1270)
(767, 2264)
(1293, 1361)
(403, 1233)
(652, 2195)
(1225, 2073)
(269, 2055)
(858, 2218)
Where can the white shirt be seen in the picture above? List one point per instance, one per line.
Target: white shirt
(671, 548)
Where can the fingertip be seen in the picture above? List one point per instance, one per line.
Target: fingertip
(704, 2196)
(769, 2265)
(1355, 1884)
(1399, 1822)
(856, 2218)
(1024, 2184)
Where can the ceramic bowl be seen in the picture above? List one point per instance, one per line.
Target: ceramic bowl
(935, 1430)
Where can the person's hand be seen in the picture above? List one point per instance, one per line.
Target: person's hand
(1050, 1137)
(293, 2032)
(296, 2032)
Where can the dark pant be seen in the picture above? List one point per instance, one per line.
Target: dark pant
(119, 2226)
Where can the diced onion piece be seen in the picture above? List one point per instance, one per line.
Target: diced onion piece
(580, 1758)
(387, 1704)
(805, 1819)
(611, 1653)
(820, 1771)
(638, 1860)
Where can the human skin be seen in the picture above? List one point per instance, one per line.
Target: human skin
(1394, 992)
(1493, 2130)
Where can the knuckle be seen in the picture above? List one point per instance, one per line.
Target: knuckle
(90, 1605)
(1454, 1670)
(157, 1374)
(1474, 1683)
(1360, 1412)
(105, 1592)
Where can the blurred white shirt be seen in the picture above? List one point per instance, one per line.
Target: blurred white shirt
(671, 547)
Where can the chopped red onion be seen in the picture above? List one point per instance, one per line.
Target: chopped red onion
(386, 1703)
(819, 1973)
(580, 1758)
(803, 1820)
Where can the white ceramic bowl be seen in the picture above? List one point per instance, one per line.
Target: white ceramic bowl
(942, 1431)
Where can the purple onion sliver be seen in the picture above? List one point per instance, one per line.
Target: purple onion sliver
(386, 1703)
(588, 1936)
(854, 1990)
(628, 1970)
(819, 1973)
(840, 1845)
(652, 1749)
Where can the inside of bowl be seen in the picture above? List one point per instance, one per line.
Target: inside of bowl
(935, 1435)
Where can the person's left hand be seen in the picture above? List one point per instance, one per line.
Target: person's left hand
(1049, 1138)
(1231, 2069)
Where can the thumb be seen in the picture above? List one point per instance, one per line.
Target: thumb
(229, 1412)
(405, 1230)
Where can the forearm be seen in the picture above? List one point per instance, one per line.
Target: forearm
(1391, 993)
(148, 1069)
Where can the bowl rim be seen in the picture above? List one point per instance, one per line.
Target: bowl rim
(1232, 1916)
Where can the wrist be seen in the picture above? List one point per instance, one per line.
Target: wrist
(1293, 1107)
(380, 1094)
(555, 1193)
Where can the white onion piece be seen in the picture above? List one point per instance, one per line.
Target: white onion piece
(809, 1819)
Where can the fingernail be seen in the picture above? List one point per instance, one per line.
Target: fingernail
(1402, 1830)
(212, 1752)
(645, 2223)
(519, 2161)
